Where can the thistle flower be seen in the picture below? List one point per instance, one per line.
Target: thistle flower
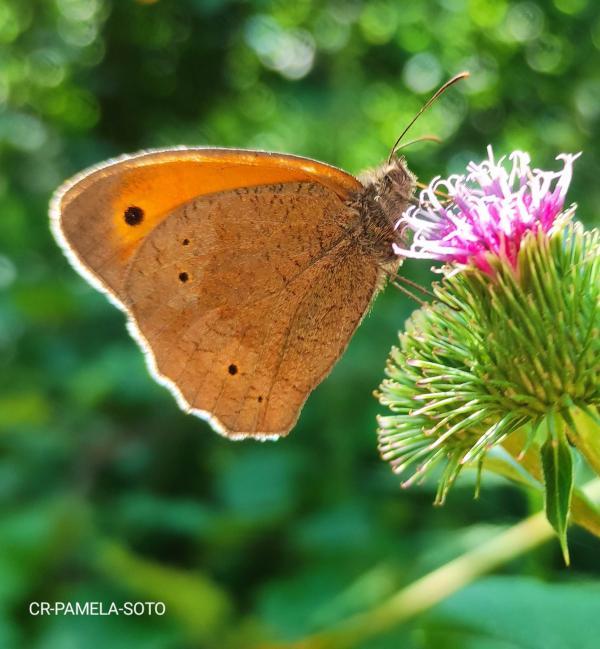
(512, 340)
(489, 211)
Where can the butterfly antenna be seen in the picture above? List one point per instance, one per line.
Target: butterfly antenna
(440, 91)
(422, 138)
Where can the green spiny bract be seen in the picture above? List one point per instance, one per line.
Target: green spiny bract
(493, 353)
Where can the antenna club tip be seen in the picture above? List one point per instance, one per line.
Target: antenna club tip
(457, 77)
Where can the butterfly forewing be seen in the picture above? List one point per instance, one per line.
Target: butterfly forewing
(235, 268)
(102, 216)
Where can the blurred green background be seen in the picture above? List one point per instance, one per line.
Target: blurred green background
(107, 491)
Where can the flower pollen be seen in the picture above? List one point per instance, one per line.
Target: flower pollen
(488, 211)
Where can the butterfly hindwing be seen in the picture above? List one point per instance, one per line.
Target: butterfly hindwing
(243, 301)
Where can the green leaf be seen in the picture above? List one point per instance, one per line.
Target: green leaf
(515, 612)
(557, 464)
(200, 605)
(584, 425)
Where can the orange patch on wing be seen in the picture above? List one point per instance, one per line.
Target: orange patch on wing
(160, 188)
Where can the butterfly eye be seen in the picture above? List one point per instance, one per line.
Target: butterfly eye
(133, 215)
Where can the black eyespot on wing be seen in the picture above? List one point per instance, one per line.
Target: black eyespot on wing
(185, 242)
(260, 399)
(232, 369)
(133, 215)
(183, 277)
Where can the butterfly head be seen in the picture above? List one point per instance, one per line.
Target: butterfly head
(387, 192)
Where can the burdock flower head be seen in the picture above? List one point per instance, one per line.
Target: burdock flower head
(464, 219)
(510, 347)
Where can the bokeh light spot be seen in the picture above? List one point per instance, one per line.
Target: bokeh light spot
(587, 99)
(547, 55)
(289, 52)
(8, 272)
(570, 7)
(378, 21)
(422, 72)
(524, 22)
(24, 132)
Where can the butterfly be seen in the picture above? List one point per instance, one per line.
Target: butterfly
(243, 274)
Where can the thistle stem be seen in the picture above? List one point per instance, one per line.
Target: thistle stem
(426, 592)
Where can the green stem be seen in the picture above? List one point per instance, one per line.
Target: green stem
(436, 586)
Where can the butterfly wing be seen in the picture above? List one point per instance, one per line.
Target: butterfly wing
(245, 299)
(89, 212)
(242, 299)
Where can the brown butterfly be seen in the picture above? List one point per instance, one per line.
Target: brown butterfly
(243, 274)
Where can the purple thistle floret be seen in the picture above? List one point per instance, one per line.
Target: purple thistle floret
(488, 211)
